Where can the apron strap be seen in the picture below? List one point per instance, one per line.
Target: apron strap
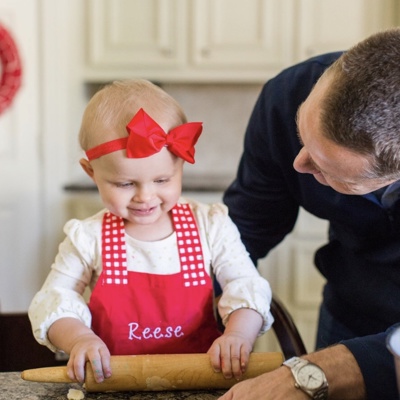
(188, 240)
(189, 246)
(114, 251)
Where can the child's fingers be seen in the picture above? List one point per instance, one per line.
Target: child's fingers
(227, 361)
(229, 357)
(215, 354)
(233, 362)
(244, 358)
(76, 367)
(70, 370)
(236, 364)
(97, 368)
(105, 361)
(99, 359)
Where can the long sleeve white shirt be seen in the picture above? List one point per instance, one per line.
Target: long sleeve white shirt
(78, 265)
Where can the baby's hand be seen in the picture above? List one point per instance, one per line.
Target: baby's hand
(230, 354)
(89, 347)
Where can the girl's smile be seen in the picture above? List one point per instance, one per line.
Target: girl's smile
(142, 211)
(142, 191)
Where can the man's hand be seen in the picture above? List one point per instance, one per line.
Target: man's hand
(274, 385)
(341, 369)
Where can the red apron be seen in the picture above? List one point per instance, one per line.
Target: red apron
(141, 313)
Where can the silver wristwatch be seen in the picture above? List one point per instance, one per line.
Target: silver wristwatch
(308, 377)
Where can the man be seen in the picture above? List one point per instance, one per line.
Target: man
(325, 135)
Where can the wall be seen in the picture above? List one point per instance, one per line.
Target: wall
(20, 178)
(56, 62)
(224, 110)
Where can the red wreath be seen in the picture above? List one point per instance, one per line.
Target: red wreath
(11, 70)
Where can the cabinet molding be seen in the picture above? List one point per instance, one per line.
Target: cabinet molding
(136, 34)
(188, 40)
(221, 40)
(334, 25)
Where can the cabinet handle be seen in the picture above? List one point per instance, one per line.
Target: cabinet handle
(167, 51)
(205, 52)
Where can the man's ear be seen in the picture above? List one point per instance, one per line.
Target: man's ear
(85, 164)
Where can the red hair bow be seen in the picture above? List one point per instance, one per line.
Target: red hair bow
(146, 138)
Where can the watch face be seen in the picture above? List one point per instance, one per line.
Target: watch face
(310, 377)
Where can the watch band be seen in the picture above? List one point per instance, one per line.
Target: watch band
(322, 394)
(295, 364)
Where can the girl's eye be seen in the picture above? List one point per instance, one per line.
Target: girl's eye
(124, 184)
(161, 181)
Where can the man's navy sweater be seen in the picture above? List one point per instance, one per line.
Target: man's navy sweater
(361, 260)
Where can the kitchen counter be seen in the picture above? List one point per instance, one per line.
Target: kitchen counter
(15, 388)
(192, 183)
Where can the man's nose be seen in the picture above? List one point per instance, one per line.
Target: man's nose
(302, 163)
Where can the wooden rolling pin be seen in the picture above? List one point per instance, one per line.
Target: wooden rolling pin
(159, 372)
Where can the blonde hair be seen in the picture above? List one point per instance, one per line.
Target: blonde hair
(112, 107)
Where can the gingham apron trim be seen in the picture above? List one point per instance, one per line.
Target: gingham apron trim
(188, 241)
(114, 251)
(189, 246)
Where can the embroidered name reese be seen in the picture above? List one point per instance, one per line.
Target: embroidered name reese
(156, 333)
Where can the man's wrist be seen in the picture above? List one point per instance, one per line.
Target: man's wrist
(308, 377)
(342, 372)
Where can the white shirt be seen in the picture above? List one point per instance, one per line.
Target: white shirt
(78, 265)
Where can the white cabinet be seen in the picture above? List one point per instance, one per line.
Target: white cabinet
(332, 25)
(188, 40)
(83, 204)
(136, 35)
(294, 278)
(234, 35)
(221, 40)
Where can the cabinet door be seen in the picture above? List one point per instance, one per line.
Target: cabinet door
(332, 25)
(136, 34)
(233, 34)
(294, 278)
(188, 40)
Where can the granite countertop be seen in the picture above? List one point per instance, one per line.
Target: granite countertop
(15, 388)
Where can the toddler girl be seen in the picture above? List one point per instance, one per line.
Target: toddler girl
(150, 255)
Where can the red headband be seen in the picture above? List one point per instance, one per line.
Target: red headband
(146, 138)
